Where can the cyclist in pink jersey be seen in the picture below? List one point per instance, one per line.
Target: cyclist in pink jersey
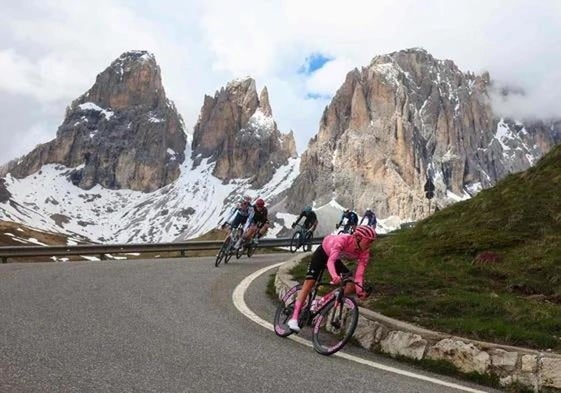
(334, 247)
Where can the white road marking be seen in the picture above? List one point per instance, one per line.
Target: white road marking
(239, 302)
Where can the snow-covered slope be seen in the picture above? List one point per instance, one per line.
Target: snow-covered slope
(192, 205)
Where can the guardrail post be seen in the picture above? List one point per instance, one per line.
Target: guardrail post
(102, 257)
(4, 259)
(182, 253)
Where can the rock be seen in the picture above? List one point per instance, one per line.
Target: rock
(405, 116)
(4, 193)
(236, 130)
(404, 344)
(503, 361)
(464, 356)
(551, 372)
(122, 133)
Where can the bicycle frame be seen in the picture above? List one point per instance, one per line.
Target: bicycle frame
(303, 236)
(338, 293)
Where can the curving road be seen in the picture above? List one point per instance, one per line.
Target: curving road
(166, 326)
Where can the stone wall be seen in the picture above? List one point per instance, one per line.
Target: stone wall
(376, 332)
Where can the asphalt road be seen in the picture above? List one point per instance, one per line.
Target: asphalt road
(163, 326)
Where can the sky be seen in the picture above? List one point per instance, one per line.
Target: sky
(52, 50)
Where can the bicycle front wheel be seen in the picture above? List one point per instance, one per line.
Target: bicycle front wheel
(335, 325)
(284, 312)
(222, 252)
(295, 241)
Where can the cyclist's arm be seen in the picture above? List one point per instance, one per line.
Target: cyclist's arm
(333, 256)
(314, 226)
(232, 216)
(362, 219)
(363, 260)
(249, 219)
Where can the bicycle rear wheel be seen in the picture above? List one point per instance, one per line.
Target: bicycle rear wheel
(222, 252)
(335, 325)
(295, 241)
(251, 247)
(284, 312)
(307, 242)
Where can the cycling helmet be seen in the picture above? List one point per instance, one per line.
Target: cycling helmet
(347, 211)
(368, 210)
(260, 202)
(308, 209)
(365, 231)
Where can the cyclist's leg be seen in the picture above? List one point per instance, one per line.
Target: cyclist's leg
(248, 235)
(263, 229)
(344, 272)
(238, 224)
(316, 266)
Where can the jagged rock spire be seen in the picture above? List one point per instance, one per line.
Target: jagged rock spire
(264, 102)
(124, 131)
(236, 130)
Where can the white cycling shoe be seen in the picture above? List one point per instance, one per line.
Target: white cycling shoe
(293, 325)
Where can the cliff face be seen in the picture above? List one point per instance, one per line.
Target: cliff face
(122, 133)
(402, 118)
(236, 130)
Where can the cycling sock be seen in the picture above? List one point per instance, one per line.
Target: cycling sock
(297, 308)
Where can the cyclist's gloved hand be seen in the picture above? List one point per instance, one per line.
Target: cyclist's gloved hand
(335, 280)
(336, 226)
(360, 293)
(293, 224)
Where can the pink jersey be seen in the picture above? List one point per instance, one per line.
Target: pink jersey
(344, 246)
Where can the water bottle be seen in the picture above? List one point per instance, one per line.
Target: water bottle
(315, 305)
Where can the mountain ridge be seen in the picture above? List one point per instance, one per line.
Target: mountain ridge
(404, 117)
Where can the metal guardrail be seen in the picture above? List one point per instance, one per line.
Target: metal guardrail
(103, 249)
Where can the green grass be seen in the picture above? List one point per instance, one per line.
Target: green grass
(433, 274)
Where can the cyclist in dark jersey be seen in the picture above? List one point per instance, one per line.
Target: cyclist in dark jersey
(370, 218)
(257, 223)
(311, 221)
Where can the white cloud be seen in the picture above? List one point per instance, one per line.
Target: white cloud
(51, 51)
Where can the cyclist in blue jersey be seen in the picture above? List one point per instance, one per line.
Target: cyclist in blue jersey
(351, 219)
(239, 216)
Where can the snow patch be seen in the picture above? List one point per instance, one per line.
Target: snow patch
(90, 106)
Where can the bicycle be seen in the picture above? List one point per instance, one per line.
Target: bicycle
(333, 317)
(347, 228)
(247, 247)
(301, 238)
(227, 249)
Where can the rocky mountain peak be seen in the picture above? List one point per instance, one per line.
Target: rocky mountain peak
(406, 116)
(134, 78)
(122, 133)
(264, 102)
(236, 130)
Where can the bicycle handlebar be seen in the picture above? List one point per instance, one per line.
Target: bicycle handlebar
(366, 287)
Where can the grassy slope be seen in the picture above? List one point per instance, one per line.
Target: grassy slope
(434, 274)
